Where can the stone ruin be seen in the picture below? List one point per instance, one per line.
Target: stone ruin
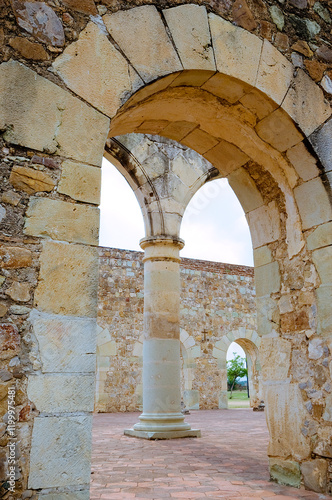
(247, 85)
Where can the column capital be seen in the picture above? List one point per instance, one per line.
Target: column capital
(162, 248)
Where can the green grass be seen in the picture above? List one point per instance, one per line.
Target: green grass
(239, 399)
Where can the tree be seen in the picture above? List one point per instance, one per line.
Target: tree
(235, 369)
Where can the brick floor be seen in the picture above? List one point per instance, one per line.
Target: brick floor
(229, 461)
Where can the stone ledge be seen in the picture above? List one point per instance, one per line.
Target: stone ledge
(192, 433)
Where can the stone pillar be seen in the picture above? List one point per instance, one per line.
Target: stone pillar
(161, 417)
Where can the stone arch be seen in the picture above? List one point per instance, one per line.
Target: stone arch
(239, 102)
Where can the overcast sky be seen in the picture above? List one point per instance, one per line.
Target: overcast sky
(214, 226)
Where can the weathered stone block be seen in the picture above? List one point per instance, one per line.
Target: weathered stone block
(267, 279)
(144, 24)
(19, 291)
(324, 301)
(285, 421)
(14, 257)
(223, 400)
(30, 180)
(320, 237)
(60, 220)
(61, 393)
(245, 190)
(313, 203)
(275, 356)
(323, 259)
(264, 224)
(27, 49)
(304, 163)
(226, 87)
(60, 452)
(226, 157)
(9, 341)
(190, 31)
(285, 472)
(200, 141)
(84, 6)
(305, 103)
(191, 399)
(262, 256)
(278, 130)
(82, 67)
(315, 474)
(80, 182)
(40, 20)
(74, 269)
(321, 142)
(62, 123)
(275, 73)
(237, 52)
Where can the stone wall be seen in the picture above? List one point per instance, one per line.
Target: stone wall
(217, 307)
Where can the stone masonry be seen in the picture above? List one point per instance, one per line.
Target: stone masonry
(217, 307)
(247, 85)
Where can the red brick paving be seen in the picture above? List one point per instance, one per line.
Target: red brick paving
(229, 461)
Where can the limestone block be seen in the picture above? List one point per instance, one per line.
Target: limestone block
(226, 157)
(303, 162)
(223, 400)
(237, 52)
(217, 353)
(278, 130)
(323, 446)
(192, 78)
(154, 55)
(200, 141)
(191, 399)
(264, 224)
(107, 349)
(262, 256)
(82, 67)
(226, 87)
(285, 472)
(61, 393)
(73, 495)
(30, 180)
(275, 356)
(74, 269)
(316, 349)
(62, 123)
(258, 103)
(324, 301)
(138, 349)
(190, 31)
(313, 203)
(323, 259)
(65, 344)
(14, 257)
(321, 142)
(275, 73)
(327, 415)
(305, 103)
(245, 189)
(267, 279)
(80, 182)
(194, 352)
(60, 220)
(267, 316)
(60, 452)
(320, 237)
(184, 169)
(285, 415)
(178, 130)
(19, 292)
(315, 474)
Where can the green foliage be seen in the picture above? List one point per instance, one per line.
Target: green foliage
(236, 368)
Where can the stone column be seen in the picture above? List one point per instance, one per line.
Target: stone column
(161, 417)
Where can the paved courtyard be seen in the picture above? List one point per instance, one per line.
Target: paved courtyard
(229, 461)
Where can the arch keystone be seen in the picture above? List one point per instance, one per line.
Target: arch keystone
(237, 52)
(141, 35)
(190, 31)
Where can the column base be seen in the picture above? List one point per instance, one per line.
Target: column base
(192, 433)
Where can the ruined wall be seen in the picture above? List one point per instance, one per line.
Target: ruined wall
(217, 307)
